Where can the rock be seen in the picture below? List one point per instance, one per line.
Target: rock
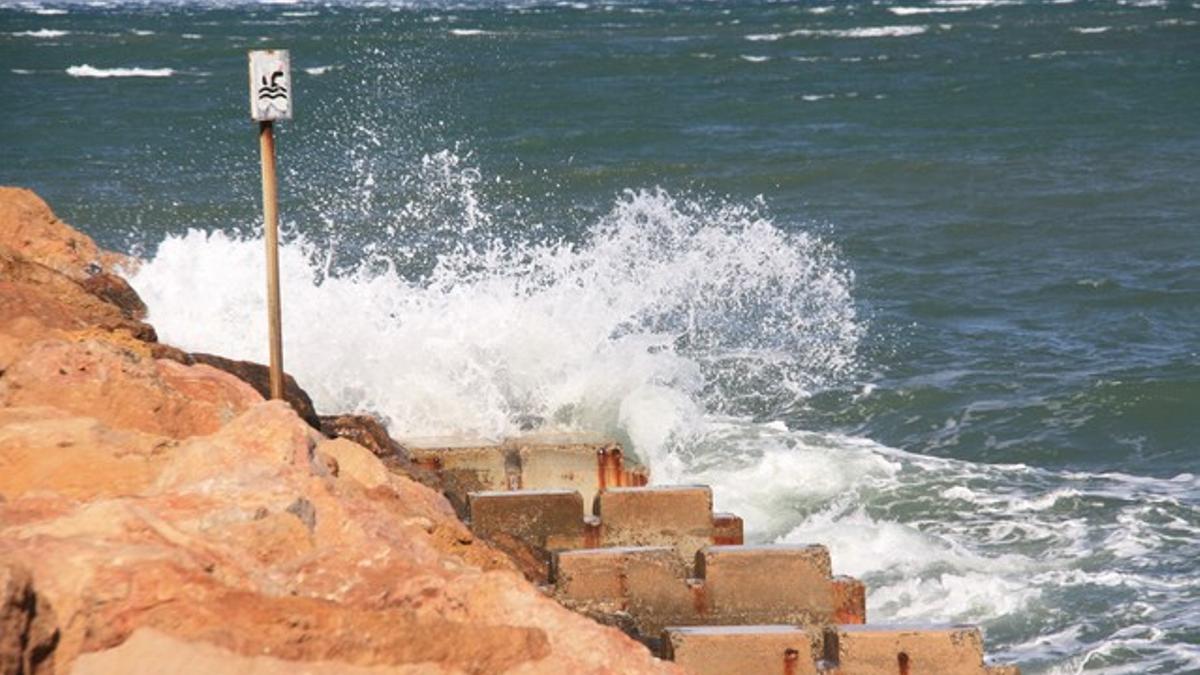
(242, 540)
(45, 449)
(124, 388)
(28, 626)
(30, 228)
(365, 430)
(355, 462)
(259, 377)
(368, 432)
(151, 652)
(117, 292)
(30, 289)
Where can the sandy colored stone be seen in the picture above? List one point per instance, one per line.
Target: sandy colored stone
(29, 227)
(124, 388)
(41, 449)
(356, 462)
(30, 289)
(151, 652)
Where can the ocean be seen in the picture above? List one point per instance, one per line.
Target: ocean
(917, 280)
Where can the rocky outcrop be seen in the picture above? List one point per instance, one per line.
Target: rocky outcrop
(121, 385)
(28, 627)
(30, 229)
(157, 515)
(369, 432)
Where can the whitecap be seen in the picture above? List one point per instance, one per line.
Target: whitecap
(41, 33)
(468, 32)
(86, 70)
(865, 32)
(908, 11)
(318, 70)
(1089, 30)
(754, 59)
(765, 37)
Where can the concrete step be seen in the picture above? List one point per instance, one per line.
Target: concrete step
(733, 650)
(531, 525)
(583, 462)
(647, 588)
(839, 650)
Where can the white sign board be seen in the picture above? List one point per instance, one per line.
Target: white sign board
(270, 85)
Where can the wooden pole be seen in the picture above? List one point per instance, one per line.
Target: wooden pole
(266, 143)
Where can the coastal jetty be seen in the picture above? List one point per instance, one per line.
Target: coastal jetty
(157, 514)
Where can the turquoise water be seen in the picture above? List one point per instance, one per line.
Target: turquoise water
(917, 280)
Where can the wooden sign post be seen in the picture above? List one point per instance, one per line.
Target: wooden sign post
(270, 100)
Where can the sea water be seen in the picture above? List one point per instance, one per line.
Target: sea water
(916, 280)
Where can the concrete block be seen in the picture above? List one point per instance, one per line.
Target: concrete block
(905, 650)
(465, 465)
(728, 530)
(768, 584)
(678, 516)
(586, 463)
(544, 519)
(849, 600)
(583, 462)
(606, 579)
(734, 650)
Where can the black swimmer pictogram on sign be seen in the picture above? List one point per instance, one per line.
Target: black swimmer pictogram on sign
(270, 85)
(272, 89)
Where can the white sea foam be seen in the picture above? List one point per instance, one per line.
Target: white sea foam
(86, 70)
(909, 11)
(865, 32)
(1086, 30)
(618, 334)
(21, 71)
(191, 36)
(41, 33)
(468, 32)
(141, 33)
(319, 70)
(754, 59)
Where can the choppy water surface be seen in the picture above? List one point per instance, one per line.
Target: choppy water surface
(917, 280)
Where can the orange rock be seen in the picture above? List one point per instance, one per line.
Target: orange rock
(30, 289)
(151, 651)
(242, 540)
(29, 227)
(124, 388)
(77, 457)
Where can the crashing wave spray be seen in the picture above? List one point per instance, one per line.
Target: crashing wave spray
(666, 310)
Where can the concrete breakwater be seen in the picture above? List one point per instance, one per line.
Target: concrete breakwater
(157, 515)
